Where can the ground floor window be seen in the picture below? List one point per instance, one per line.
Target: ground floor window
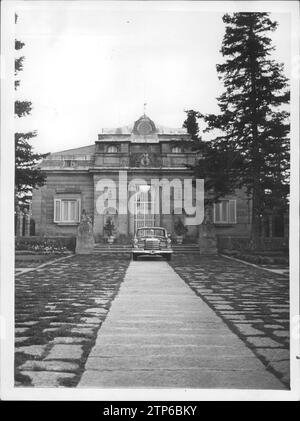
(225, 212)
(66, 210)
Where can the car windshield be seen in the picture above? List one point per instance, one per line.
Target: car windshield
(156, 232)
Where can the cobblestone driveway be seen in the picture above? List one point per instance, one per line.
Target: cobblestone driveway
(58, 311)
(60, 308)
(254, 303)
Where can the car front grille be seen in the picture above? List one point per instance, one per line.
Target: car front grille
(152, 245)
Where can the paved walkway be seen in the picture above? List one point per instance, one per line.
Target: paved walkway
(159, 333)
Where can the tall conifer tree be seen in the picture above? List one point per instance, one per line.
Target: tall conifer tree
(252, 147)
(27, 175)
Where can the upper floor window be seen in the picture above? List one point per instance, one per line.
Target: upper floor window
(69, 163)
(176, 149)
(67, 210)
(225, 212)
(112, 149)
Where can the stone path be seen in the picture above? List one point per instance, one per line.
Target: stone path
(159, 333)
(254, 303)
(59, 308)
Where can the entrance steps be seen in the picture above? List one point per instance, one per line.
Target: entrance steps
(112, 248)
(126, 248)
(186, 248)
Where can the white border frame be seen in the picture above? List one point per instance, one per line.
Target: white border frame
(8, 392)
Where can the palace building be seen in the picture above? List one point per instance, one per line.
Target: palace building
(77, 181)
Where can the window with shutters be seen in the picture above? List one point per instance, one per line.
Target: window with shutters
(225, 212)
(66, 210)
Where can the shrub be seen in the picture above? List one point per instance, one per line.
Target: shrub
(243, 244)
(46, 245)
(179, 227)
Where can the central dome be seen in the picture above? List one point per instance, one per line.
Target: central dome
(144, 126)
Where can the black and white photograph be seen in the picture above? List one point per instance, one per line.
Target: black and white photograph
(150, 200)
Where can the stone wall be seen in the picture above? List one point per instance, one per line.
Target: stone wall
(83, 184)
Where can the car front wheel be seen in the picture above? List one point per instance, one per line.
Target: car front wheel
(134, 257)
(168, 257)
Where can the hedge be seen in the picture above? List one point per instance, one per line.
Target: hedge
(45, 244)
(244, 243)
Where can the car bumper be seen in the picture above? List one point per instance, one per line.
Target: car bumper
(137, 251)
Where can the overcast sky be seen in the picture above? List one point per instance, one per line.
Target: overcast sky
(94, 67)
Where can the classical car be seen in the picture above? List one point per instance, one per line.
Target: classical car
(152, 241)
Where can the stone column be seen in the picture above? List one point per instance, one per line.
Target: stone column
(286, 225)
(98, 217)
(27, 223)
(270, 226)
(19, 224)
(17, 228)
(207, 235)
(122, 201)
(262, 224)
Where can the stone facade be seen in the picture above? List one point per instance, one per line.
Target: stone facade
(75, 183)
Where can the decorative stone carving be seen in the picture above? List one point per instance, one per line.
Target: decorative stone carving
(207, 235)
(85, 239)
(145, 160)
(144, 126)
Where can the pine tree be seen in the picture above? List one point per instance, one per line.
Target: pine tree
(27, 175)
(251, 147)
(217, 165)
(191, 124)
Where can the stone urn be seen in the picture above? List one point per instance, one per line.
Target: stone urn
(180, 230)
(109, 229)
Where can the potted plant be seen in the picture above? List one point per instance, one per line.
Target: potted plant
(180, 230)
(109, 228)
